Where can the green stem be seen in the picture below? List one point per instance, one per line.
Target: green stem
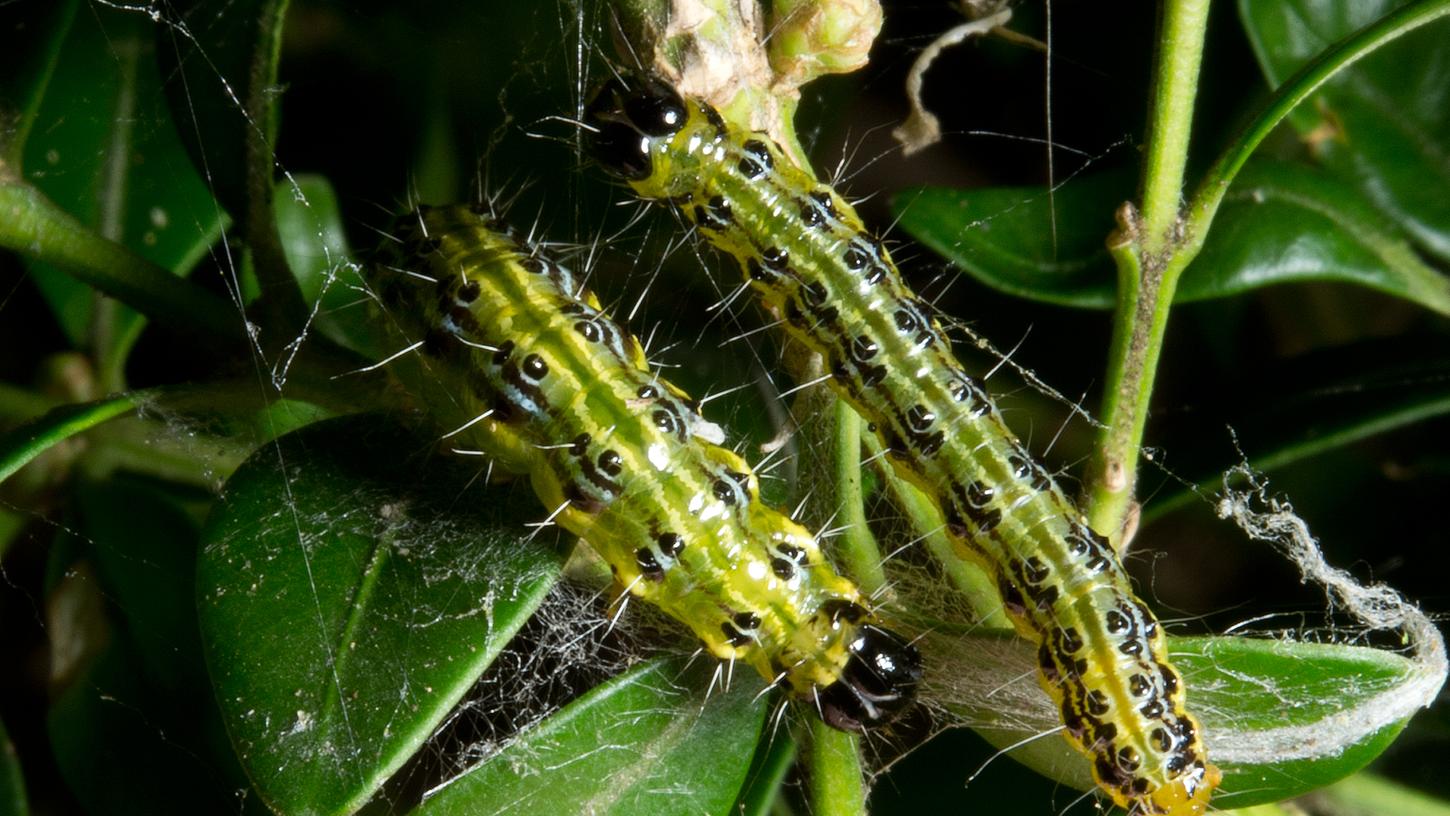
(281, 302)
(22, 445)
(1170, 121)
(836, 782)
(106, 312)
(32, 225)
(926, 521)
(1147, 270)
(858, 545)
(1152, 252)
(767, 775)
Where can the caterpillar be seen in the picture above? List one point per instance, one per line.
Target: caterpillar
(518, 354)
(809, 259)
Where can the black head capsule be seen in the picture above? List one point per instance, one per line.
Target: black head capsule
(624, 117)
(878, 682)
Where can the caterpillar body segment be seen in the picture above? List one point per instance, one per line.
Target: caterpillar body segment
(807, 256)
(519, 359)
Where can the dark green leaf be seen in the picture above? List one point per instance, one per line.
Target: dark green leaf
(350, 592)
(309, 222)
(1280, 223)
(12, 781)
(149, 571)
(1003, 236)
(222, 60)
(1383, 122)
(105, 150)
(124, 747)
(30, 440)
(31, 41)
(1279, 718)
(133, 729)
(643, 743)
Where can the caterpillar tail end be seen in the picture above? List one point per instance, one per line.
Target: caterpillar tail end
(1187, 795)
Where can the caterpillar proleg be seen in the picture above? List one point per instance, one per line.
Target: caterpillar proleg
(517, 357)
(806, 254)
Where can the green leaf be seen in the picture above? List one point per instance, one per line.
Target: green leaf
(149, 571)
(1365, 794)
(124, 747)
(132, 728)
(1002, 236)
(105, 150)
(1279, 718)
(21, 445)
(350, 593)
(644, 743)
(224, 82)
(1382, 123)
(1280, 223)
(12, 780)
(33, 49)
(309, 222)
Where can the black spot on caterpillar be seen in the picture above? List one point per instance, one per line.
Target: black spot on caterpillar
(810, 260)
(529, 370)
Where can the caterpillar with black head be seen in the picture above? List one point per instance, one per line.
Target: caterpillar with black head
(519, 357)
(806, 254)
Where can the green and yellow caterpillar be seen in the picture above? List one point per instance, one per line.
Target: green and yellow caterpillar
(806, 254)
(518, 357)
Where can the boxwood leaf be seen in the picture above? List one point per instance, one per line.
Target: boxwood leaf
(1382, 123)
(349, 596)
(32, 45)
(309, 222)
(1279, 718)
(1002, 236)
(645, 743)
(105, 150)
(12, 781)
(1281, 222)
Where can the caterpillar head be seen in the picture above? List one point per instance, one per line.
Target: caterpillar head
(624, 119)
(878, 682)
